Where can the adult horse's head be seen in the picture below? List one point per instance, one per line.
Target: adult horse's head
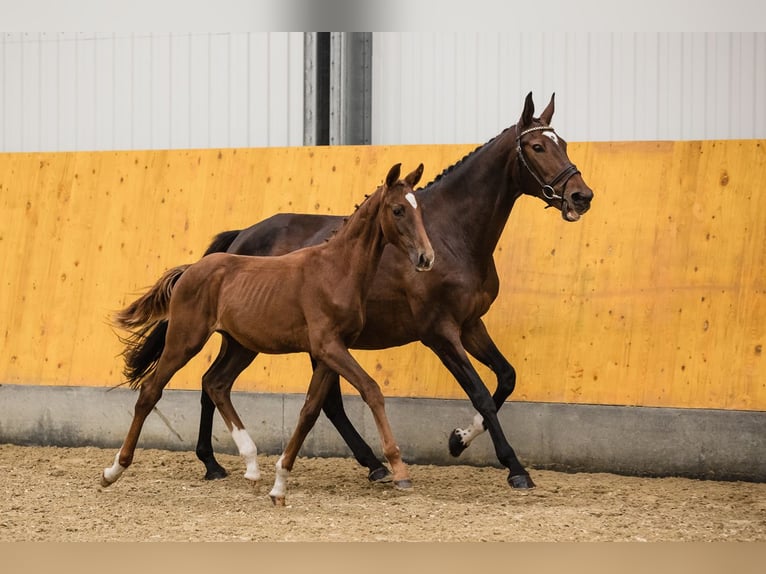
(544, 167)
(402, 219)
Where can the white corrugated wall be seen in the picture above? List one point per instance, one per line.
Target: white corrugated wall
(89, 91)
(466, 87)
(92, 91)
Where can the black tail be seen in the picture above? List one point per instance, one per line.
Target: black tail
(143, 349)
(222, 241)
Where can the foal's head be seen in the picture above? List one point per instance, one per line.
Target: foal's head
(546, 171)
(401, 218)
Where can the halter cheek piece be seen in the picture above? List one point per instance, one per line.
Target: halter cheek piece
(548, 189)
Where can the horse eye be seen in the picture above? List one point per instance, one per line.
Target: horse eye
(538, 148)
(398, 210)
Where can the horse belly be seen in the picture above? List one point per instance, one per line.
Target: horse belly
(268, 333)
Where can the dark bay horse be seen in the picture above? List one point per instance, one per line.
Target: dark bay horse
(467, 208)
(310, 300)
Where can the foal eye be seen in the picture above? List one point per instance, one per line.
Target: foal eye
(398, 210)
(538, 148)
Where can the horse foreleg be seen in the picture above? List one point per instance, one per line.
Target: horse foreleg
(364, 455)
(342, 362)
(478, 343)
(315, 396)
(217, 382)
(449, 349)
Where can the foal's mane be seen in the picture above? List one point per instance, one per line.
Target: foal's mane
(459, 162)
(343, 223)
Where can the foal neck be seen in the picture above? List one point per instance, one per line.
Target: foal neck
(360, 240)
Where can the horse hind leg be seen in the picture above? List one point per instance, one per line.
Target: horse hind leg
(217, 382)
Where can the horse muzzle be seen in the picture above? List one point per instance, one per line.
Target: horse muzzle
(425, 261)
(574, 205)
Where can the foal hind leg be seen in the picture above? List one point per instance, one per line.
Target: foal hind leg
(478, 343)
(216, 384)
(364, 455)
(232, 359)
(175, 355)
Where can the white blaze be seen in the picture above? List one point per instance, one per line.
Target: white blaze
(411, 198)
(552, 137)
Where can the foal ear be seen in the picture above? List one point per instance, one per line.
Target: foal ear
(393, 174)
(529, 111)
(413, 178)
(547, 114)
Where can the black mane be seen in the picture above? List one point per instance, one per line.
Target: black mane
(459, 162)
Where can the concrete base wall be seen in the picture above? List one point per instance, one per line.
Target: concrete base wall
(715, 444)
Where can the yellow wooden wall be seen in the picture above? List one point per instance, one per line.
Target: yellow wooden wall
(656, 297)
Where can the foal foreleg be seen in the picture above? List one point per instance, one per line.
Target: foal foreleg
(309, 413)
(342, 362)
(364, 455)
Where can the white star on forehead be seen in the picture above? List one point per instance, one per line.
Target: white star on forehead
(411, 198)
(552, 137)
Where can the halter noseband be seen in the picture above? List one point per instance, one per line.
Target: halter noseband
(563, 176)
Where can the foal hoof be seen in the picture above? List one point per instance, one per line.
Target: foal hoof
(381, 474)
(405, 484)
(521, 481)
(277, 500)
(456, 446)
(216, 473)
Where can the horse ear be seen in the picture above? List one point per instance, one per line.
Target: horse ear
(547, 114)
(529, 111)
(393, 174)
(413, 178)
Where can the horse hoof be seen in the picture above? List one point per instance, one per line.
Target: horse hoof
(277, 500)
(521, 481)
(405, 484)
(381, 474)
(456, 446)
(216, 474)
(104, 481)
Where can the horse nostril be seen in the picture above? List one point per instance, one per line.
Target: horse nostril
(424, 262)
(581, 197)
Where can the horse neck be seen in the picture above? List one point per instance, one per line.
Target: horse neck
(472, 201)
(359, 242)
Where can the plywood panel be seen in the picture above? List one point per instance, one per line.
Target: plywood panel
(656, 297)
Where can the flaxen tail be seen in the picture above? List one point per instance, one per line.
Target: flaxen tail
(146, 320)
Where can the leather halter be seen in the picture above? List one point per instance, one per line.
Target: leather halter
(548, 189)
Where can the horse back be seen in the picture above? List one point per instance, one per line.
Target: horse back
(283, 233)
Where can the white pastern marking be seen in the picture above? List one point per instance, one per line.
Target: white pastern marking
(411, 198)
(248, 451)
(474, 429)
(280, 480)
(552, 137)
(115, 471)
